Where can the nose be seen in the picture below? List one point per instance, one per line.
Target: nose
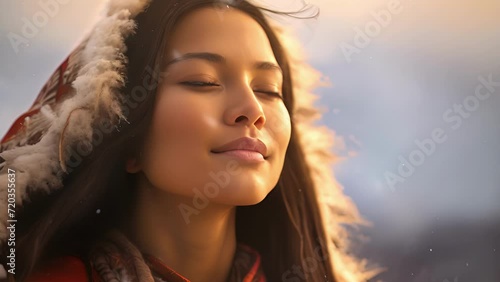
(244, 108)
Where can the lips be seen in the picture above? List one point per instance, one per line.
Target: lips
(244, 143)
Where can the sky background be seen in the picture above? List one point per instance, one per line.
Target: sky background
(394, 90)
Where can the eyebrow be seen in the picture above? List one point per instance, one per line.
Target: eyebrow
(216, 58)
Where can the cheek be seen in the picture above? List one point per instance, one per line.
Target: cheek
(178, 139)
(176, 123)
(279, 127)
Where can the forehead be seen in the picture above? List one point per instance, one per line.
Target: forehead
(229, 32)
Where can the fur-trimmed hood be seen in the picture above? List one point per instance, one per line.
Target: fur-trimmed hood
(89, 81)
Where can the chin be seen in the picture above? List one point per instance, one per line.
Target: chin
(250, 197)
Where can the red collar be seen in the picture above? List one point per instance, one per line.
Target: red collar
(246, 267)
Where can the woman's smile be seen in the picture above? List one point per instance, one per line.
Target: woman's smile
(243, 155)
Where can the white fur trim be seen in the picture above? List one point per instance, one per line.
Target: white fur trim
(38, 165)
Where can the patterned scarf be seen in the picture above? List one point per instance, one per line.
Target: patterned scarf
(114, 259)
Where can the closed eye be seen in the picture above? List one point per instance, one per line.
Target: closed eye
(199, 83)
(274, 94)
(213, 84)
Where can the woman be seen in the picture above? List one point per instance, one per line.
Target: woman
(177, 145)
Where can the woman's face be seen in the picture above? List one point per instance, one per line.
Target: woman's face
(217, 87)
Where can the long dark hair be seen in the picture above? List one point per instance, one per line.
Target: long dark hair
(286, 227)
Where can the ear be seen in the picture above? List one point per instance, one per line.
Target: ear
(132, 165)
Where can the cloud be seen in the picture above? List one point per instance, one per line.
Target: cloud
(444, 28)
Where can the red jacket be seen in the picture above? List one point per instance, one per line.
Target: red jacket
(63, 269)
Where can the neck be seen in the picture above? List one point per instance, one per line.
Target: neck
(200, 249)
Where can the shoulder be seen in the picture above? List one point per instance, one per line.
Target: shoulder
(65, 268)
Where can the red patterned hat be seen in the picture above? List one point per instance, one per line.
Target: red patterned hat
(29, 128)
